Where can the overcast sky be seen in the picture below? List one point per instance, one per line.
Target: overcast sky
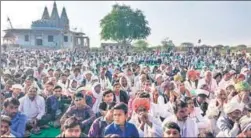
(215, 22)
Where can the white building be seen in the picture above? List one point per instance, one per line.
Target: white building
(48, 32)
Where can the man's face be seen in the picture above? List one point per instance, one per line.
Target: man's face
(57, 74)
(98, 88)
(28, 82)
(209, 75)
(73, 132)
(7, 86)
(159, 79)
(117, 88)
(222, 95)
(32, 93)
(74, 84)
(190, 105)
(245, 96)
(182, 114)
(227, 76)
(76, 73)
(171, 133)
(88, 76)
(4, 127)
(108, 98)
(124, 81)
(48, 87)
(147, 85)
(109, 114)
(235, 115)
(201, 98)
(50, 73)
(182, 87)
(64, 78)
(57, 92)
(141, 110)
(119, 117)
(79, 101)
(11, 110)
(16, 91)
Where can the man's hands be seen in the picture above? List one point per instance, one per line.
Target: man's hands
(144, 120)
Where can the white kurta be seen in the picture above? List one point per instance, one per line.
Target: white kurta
(224, 84)
(201, 121)
(188, 128)
(154, 131)
(32, 109)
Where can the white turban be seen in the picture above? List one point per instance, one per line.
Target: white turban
(232, 106)
(245, 123)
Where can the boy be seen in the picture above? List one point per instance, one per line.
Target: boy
(120, 126)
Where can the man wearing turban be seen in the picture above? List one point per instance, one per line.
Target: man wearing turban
(243, 96)
(147, 125)
(192, 80)
(229, 123)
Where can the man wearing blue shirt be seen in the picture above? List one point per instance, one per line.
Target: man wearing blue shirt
(120, 126)
(18, 120)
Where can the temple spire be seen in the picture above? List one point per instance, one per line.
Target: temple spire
(45, 14)
(54, 14)
(63, 14)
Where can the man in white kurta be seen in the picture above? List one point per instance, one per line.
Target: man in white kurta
(32, 105)
(147, 125)
(188, 127)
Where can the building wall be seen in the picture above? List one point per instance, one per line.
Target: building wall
(58, 40)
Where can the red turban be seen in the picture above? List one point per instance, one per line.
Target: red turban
(192, 73)
(139, 102)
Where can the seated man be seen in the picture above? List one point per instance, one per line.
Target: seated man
(18, 120)
(120, 95)
(33, 106)
(56, 105)
(82, 111)
(5, 127)
(100, 123)
(229, 124)
(16, 91)
(188, 126)
(120, 126)
(171, 129)
(108, 98)
(48, 91)
(147, 125)
(71, 128)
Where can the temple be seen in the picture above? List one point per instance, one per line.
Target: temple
(51, 31)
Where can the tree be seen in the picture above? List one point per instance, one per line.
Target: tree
(141, 45)
(123, 24)
(167, 44)
(187, 44)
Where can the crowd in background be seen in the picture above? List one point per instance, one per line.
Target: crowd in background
(121, 94)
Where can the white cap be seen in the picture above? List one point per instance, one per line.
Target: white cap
(201, 91)
(17, 86)
(232, 106)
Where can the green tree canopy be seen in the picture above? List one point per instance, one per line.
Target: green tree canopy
(141, 45)
(123, 24)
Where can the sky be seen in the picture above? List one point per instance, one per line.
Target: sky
(214, 22)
